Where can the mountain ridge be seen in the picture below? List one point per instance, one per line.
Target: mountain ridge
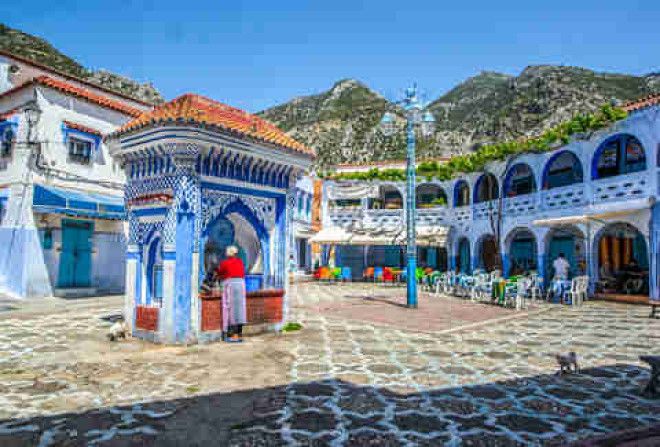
(487, 107)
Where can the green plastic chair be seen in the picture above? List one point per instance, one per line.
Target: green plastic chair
(336, 273)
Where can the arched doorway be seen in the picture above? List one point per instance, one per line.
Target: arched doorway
(486, 188)
(488, 253)
(239, 228)
(463, 256)
(623, 261)
(563, 169)
(568, 241)
(519, 180)
(522, 257)
(389, 198)
(432, 257)
(154, 270)
(618, 155)
(461, 194)
(428, 195)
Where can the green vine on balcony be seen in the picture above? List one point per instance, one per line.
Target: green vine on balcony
(461, 164)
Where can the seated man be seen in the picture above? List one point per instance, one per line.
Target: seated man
(606, 278)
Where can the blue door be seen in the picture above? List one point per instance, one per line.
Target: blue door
(76, 256)
(561, 244)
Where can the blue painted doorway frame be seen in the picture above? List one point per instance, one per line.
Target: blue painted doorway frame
(75, 268)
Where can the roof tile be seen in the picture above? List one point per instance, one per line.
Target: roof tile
(79, 92)
(199, 110)
(642, 103)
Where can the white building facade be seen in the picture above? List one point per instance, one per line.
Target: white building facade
(594, 200)
(62, 228)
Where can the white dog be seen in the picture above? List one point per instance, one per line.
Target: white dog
(118, 330)
(566, 361)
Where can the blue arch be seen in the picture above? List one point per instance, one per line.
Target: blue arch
(457, 190)
(507, 178)
(622, 139)
(244, 211)
(477, 187)
(578, 174)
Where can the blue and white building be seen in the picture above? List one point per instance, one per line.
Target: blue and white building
(593, 199)
(62, 228)
(201, 176)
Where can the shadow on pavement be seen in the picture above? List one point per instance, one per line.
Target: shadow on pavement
(536, 410)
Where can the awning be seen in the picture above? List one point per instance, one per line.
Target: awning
(426, 236)
(52, 199)
(598, 212)
(331, 235)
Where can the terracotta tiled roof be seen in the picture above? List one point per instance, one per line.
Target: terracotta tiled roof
(80, 127)
(201, 111)
(80, 92)
(8, 114)
(642, 103)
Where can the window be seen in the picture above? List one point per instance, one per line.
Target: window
(80, 151)
(7, 138)
(619, 155)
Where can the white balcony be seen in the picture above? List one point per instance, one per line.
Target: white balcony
(621, 187)
(565, 197)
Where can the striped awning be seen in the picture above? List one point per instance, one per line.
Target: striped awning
(52, 199)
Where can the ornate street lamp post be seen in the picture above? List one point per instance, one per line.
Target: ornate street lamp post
(413, 109)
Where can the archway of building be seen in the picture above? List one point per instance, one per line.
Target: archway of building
(486, 188)
(519, 180)
(563, 169)
(521, 252)
(428, 195)
(623, 261)
(569, 241)
(461, 193)
(488, 253)
(463, 256)
(618, 155)
(237, 228)
(389, 198)
(432, 257)
(153, 259)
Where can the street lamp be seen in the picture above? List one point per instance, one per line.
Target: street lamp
(413, 109)
(32, 115)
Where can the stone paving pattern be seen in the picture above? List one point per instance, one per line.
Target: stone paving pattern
(343, 380)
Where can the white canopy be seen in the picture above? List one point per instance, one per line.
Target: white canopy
(331, 235)
(600, 211)
(339, 191)
(426, 236)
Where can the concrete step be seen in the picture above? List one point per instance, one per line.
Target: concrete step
(76, 292)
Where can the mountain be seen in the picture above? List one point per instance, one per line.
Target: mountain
(342, 123)
(42, 52)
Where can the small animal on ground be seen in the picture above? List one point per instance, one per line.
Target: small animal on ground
(567, 360)
(118, 330)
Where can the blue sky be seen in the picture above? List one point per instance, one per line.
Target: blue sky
(255, 54)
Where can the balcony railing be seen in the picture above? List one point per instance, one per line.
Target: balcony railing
(564, 197)
(621, 187)
(561, 200)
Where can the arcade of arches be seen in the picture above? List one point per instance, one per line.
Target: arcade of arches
(623, 261)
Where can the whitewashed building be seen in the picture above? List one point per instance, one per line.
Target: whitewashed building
(61, 194)
(593, 199)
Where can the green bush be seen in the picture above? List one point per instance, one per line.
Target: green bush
(474, 162)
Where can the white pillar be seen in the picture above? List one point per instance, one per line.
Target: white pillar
(132, 259)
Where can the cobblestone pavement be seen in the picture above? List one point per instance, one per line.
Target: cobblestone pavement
(354, 383)
(340, 381)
